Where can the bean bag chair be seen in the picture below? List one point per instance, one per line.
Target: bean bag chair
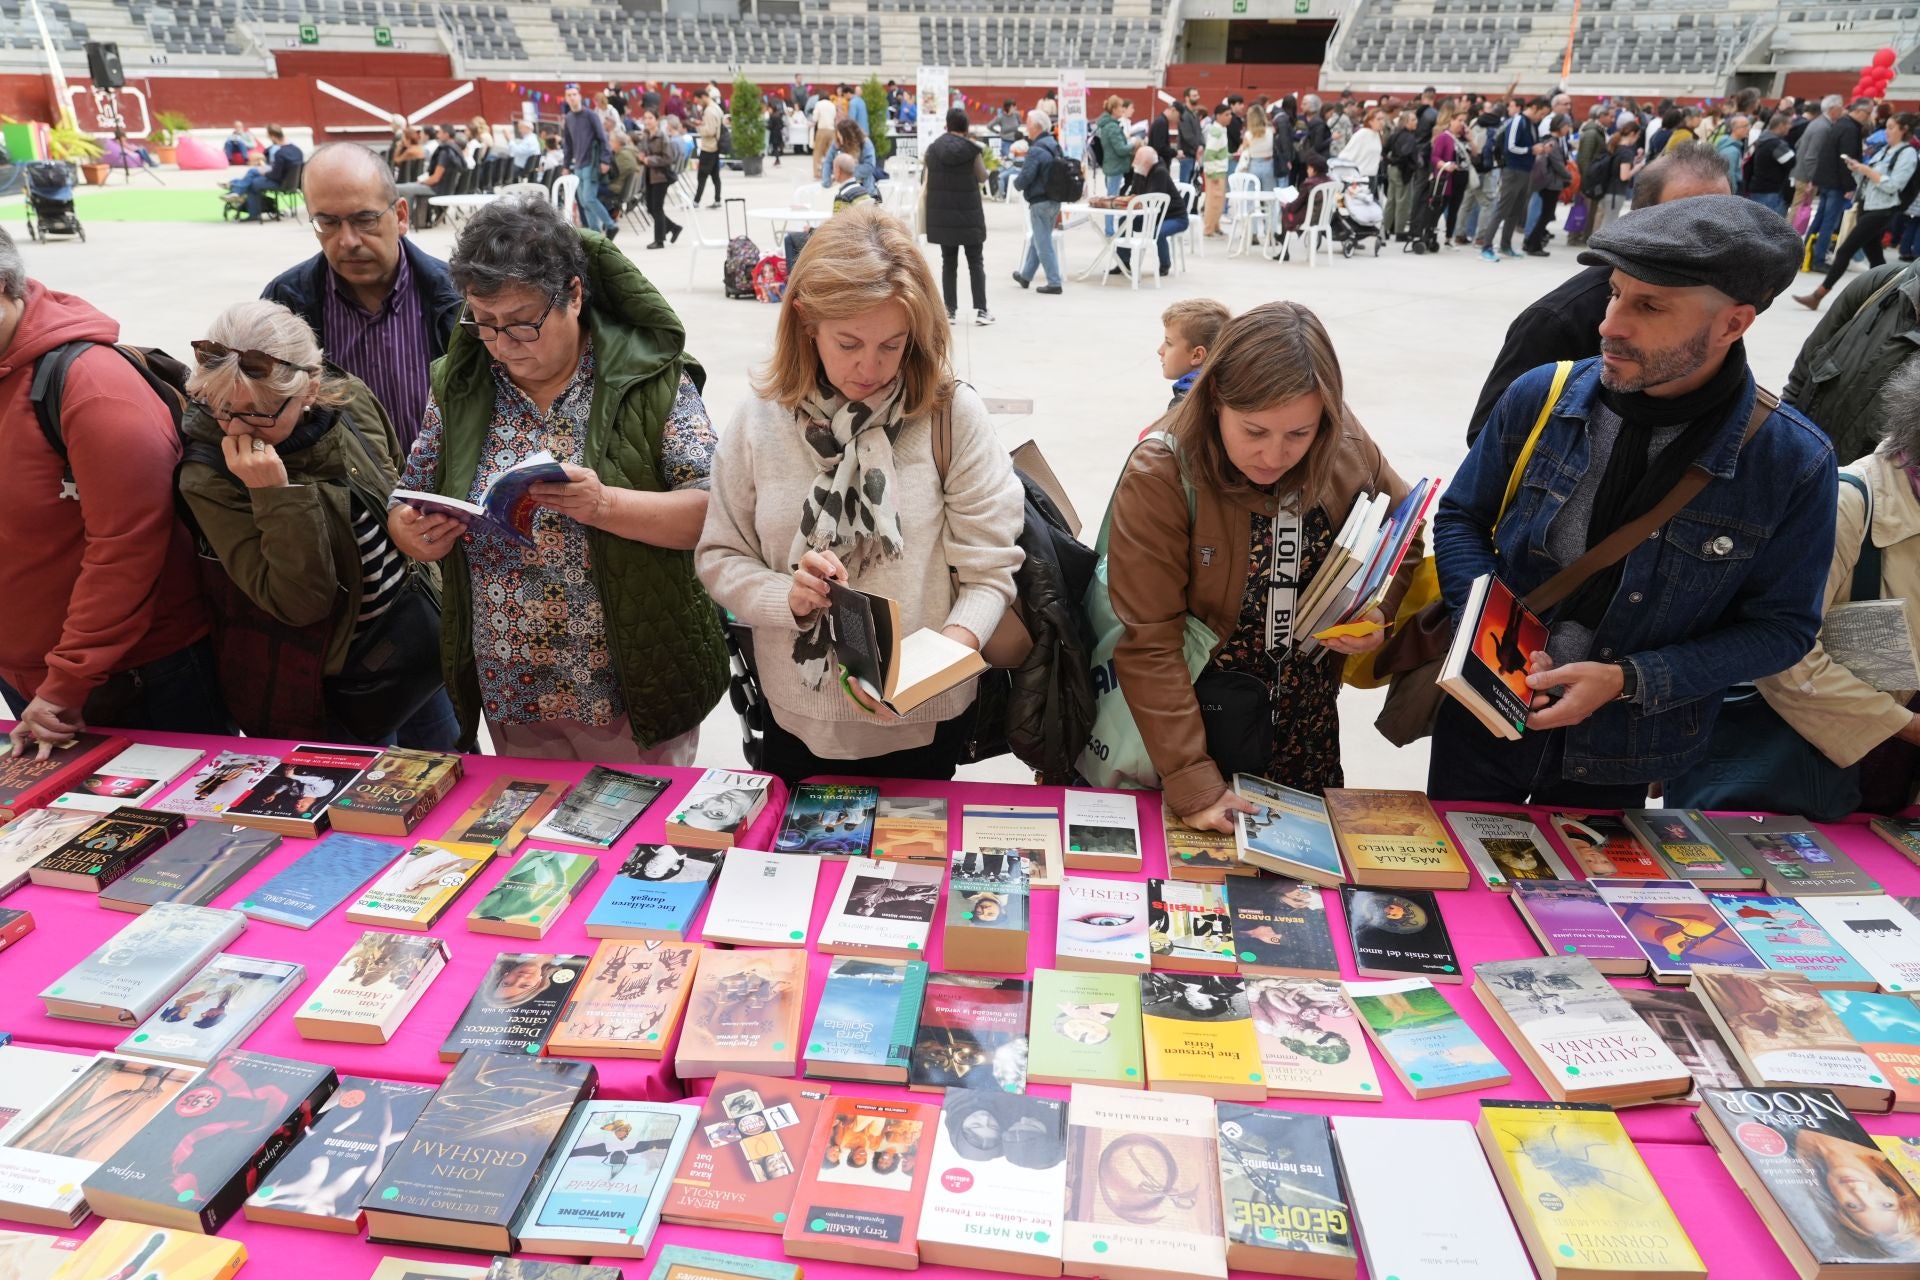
(191, 153)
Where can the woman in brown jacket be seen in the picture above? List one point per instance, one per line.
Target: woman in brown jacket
(1275, 460)
(656, 156)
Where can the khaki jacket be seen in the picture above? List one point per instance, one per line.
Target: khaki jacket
(1163, 564)
(1827, 704)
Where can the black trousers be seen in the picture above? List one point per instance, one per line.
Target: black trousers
(976, 276)
(709, 168)
(1869, 229)
(1469, 763)
(1546, 199)
(657, 211)
(789, 759)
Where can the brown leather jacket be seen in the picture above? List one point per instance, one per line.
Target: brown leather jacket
(1161, 565)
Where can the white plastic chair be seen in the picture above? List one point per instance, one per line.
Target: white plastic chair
(1139, 235)
(1245, 210)
(512, 189)
(1316, 230)
(565, 189)
(701, 242)
(1191, 196)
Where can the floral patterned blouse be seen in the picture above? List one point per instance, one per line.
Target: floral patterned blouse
(539, 634)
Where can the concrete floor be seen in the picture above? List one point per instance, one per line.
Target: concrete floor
(1415, 336)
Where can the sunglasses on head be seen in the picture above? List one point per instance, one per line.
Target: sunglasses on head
(255, 364)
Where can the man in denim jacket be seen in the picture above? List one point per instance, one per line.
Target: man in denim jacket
(1726, 591)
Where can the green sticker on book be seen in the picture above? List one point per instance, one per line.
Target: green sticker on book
(1366, 1086)
(1566, 1251)
(798, 935)
(532, 1050)
(1414, 1075)
(93, 871)
(1570, 948)
(391, 1193)
(816, 1048)
(966, 915)
(266, 1191)
(315, 1005)
(533, 919)
(779, 1217)
(779, 1046)
(1573, 1071)
(1248, 957)
(184, 1197)
(1099, 1246)
(141, 1038)
(1254, 1076)
(653, 1035)
(913, 946)
(818, 1224)
(1041, 1237)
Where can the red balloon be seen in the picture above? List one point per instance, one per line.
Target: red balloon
(1884, 58)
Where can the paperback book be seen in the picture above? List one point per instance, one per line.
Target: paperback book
(677, 1262)
(1289, 836)
(1422, 1192)
(911, 829)
(1394, 839)
(861, 1186)
(194, 868)
(627, 1004)
(828, 820)
(527, 901)
(762, 899)
(1085, 1026)
(1506, 847)
(972, 1034)
(507, 505)
(1102, 926)
(997, 1197)
(1677, 1016)
(655, 894)
(720, 810)
(303, 893)
(1603, 848)
(1583, 1041)
(1485, 669)
(31, 1078)
(863, 1028)
(1687, 842)
(107, 849)
(397, 792)
(506, 813)
(1782, 933)
(1198, 1031)
(1428, 1045)
(1569, 917)
(882, 909)
(1397, 933)
(369, 993)
(133, 777)
(988, 909)
(1880, 933)
(422, 883)
(1887, 1028)
(1902, 833)
(219, 783)
(1796, 860)
(32, 836)
(1207, 856)
(1103, 831)
(130, 974)
(1143, 1186)
(744, 1014)
(130, 1249)
(1311, 1044)
(1286, 1204)
(1675, 927)
(602, 1191)
(217, 1009)
(516, 1006)
(29, 781)
(1784, 1035)
(29, 1256)
(1188, 927)
(320, 1183)
(903, 669)
(744, 1156)
(601, 808)
(14, 925)
(1027, 834)
(295, 795)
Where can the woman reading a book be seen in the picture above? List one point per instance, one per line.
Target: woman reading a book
(1229, 514)
(829, 477)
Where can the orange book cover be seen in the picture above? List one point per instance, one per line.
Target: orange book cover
(863, 1182)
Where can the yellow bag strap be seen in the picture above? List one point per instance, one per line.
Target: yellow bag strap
(1560, 372)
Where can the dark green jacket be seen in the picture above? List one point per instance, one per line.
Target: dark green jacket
(662, 631)
(1116, 154)
(1869, 332)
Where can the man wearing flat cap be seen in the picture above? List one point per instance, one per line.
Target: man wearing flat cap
(1725, 589)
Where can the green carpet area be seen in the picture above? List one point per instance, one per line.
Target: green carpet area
(146, 202)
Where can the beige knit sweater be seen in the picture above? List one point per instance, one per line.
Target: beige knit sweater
(761, 474)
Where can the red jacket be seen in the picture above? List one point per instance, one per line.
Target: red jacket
(96, 586)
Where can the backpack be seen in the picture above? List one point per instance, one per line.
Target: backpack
(726, 139)
(166, 376)
(1096, 154)
(770, 278)
(743, 257)
(1486, 159)
(1066, 180)
(1594, 178)
(1910, 192)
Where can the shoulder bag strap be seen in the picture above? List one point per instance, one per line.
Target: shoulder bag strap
(1560, 374)
(1866, 566)
(943, 439)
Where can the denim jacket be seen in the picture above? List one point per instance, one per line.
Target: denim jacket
(1728, 591)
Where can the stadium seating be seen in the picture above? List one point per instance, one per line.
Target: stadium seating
(18, 32)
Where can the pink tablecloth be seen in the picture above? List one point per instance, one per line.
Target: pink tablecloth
(1484, 926)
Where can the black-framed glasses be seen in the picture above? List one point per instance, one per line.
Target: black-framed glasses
(245, 417)
(519, 331)
(255, 364)
(364, 223)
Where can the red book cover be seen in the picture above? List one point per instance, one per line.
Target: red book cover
(743, 1162)
(14, 925)
(860, 1189)
(27, 782)
(972, 1034)
(1603, 848)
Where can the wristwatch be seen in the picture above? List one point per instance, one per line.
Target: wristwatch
(1629, 680)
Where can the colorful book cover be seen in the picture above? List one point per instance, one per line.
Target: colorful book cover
(1904, 1153)
(1582, 1037)
(1902, 833)
(1604, 849)
(31, 837)
(1675, 927)
(1102, 925)
(742, 1162)
(528, 899)
(744, 1013)
(1879, 932)
(29, 780)
(1394, 838)
(828, 820)
(656, 893)
(911, 829)
(1430, 1045)
(1782, 934)
(14, 925)
(1198, 1031)
(1188, 926)
(1686, 841)
(396, 792)
(132, 1249)
(219, 783)
(603, 1190)
(1280, 926)
(972, 1034)
(1290, 835)
(1027, 834)
(1506, 848)
(1797, 861)
(380, 978)
(601, 807)
(1086, 1027)
(195, 867)
(1281, 1188)
(516, 1006)
(133, 777)
(988, 891)
(883, 908)
(130, 974)
(628, 1002)
(1311, 1045)
(1399, 931)
(719, 809)
(217, 1009)
(677, 1262)
(107, 850)
(863, 1182)
(1888, 1029)
(1788, 1033)
(321, 1181)
(303, 893)
(864, 1024)
(1143, 1183)
(1569, 917)
(1199, 855)
(421, 884)
(506, 812)
(1676, 1016)
(298, 790)
(999, 1184)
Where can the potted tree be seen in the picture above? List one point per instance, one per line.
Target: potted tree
(749, 127)
(165, 137)
(66, 142)
(875, 95)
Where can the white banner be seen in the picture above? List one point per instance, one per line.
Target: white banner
(1073, 113)
(930, 120)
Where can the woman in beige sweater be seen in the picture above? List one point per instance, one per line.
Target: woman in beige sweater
(829, 476)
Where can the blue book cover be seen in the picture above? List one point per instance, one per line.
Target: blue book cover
(335, 869)
(1783, 935)
(832, 820)
(608, 1179)
(656, 894)
(867, 1015)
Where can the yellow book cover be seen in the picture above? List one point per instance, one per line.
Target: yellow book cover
(1584, 1199)
(130, 1249)
(418, 888)
(1199, 1036)
(1904, 1153)
(1388, 835)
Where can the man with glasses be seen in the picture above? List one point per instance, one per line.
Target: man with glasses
(381, 307)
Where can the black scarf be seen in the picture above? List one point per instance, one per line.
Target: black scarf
(1634, 483)
(310, 430)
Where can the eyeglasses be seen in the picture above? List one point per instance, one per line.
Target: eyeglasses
(246, 417)
(255, 364)
(365, 222)
(520, 331)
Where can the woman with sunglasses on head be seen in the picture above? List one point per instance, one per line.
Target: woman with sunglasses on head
(321, 628)
(596, 643)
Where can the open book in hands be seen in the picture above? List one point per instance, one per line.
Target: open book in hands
(506, 508)
(906, 670)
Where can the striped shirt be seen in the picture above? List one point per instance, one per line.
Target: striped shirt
(382, 568)
(386, 349)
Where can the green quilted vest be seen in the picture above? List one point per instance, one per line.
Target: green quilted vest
(662, 630)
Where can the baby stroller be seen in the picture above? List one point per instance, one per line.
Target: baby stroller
(50, 201)
(1357, 215)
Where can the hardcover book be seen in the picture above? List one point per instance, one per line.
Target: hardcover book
(133, 777)
(1143, 1185)
(1396, 933)
(217, 1009)
(197, 1160)
(911, 829)
(1506, 848)
(882, 909)
(997, 1197)
(218, 784)
(460, 1179)
(31, 1078)
(723, 805)
(516, 1006)
(1582, 1040)
(107, 849)
(396, 793)
(371, 990)
(1027, 834)
(742, 1161)
(601, 808)
(1102, 926)
(628, 1002)
(506, 812)
(32, 836)
(1206, 856)
(320, 1183)
(1584, 1200)
(1888, 1029)
(1085, 1026)
(1290, 835)
(130, 974)
(421, 884)
(131, 1249)
(1188, 927)
(972, 1034)
(1311, 1045)
(1783, 1035)
(744, 1014)
(1879, 932)
(603, 1189)
(655, 894)
(1677, 1016)
(28, 781)
(864, 1025)
(1428, 1045)
(1199, 1036)
(1785, 936)
(1394, 839)
(304, 892)
(1790, 1150)
(1686, 841)
(294, 796)
(1103, 831)
(193, 868)
(528, 899)
(1569, 917)
(1422, 1193)
(1603, 848)
(988, 909)
(1796, 860)
(827, 820)
(862, 1183)
(762, 899)
(1286, 1204)
(1675, 927)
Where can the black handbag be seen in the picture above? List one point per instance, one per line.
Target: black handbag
(393, 667)
(1237, 709)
